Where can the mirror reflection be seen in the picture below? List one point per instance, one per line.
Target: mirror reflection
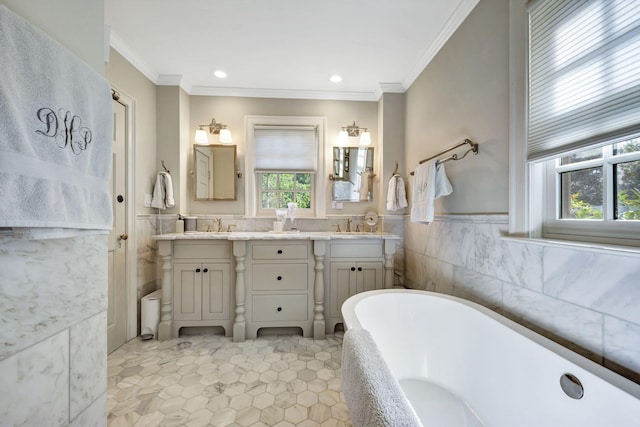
(352, 170)
(215, 172)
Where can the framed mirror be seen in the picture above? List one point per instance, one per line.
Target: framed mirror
(214, 172)
(352, 168)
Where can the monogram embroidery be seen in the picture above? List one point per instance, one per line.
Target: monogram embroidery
(65, 128)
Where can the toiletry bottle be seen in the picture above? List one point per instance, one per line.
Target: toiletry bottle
(179, 224)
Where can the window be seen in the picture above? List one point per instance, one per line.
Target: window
(583, 128)
(285, 158)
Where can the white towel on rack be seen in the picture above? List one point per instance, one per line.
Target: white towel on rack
(430, 182)
(396, 194)
(55, 136)
(163, 192)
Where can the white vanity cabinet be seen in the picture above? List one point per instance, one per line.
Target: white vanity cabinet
(202, 278)
(279, 283)
(355, 266)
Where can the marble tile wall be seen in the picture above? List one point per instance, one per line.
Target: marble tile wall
(53, 353)
(585, 298)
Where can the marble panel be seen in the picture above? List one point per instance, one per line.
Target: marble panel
(562, 319)
(35, 389)
(622, 347)
(511, 261)
(604, 282)
(47, 285)
(93, 416)
(416, 237)
(147, 268)
(439, 276)
(415, 270)
(476, 287)
(146, 226)
(452, 242)
(88, 349)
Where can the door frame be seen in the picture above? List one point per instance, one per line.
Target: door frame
(130, 243)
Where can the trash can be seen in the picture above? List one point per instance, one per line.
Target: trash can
(150, 315)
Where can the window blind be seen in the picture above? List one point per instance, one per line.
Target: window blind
(584, 75)
(285, 148)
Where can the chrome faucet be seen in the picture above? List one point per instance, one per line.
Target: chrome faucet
(348, 229)
(218, 223)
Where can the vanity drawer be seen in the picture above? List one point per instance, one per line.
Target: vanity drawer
(356, 250)
(277, 277)
(280, 251)
(202, 250)
(273, 308)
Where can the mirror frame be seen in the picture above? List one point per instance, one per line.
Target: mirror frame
(341, 169)
(233, 177)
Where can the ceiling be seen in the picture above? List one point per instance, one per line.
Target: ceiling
(283, 48)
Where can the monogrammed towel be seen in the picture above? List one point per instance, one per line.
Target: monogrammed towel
(55, 134)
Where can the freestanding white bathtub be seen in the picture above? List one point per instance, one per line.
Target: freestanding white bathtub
(460, 364)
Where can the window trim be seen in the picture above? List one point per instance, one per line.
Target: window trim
(251, 179)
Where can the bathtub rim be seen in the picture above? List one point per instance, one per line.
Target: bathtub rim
(351, 321)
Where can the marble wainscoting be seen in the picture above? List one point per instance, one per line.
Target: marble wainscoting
(147, 268)
(53, 353)
(584, 298)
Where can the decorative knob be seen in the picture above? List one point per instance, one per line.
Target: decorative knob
(124, 236)
(353, 269)
(359, 268)
(279, 251)
(205, 270)
(279, 277)
(279, 308)
(197, 270)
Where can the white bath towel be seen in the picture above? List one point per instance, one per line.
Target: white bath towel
(55, 136)
(163, 192)
(372, 393)
(430, 182)
(396, 194)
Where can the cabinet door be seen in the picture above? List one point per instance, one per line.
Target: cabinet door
(369, 276)
(216, 284)
(343, 285)
(187, 291)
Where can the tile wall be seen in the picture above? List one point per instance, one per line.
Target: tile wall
(584, 298)
(53, 350)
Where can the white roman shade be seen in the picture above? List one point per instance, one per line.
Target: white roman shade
(584, 74)
(285, 148)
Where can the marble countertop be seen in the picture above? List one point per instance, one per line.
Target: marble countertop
(268, 235)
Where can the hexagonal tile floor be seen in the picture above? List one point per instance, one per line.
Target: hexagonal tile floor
(208, 380)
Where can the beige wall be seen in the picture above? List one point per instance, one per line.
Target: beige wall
(463, 93)
(131, 82)
(232, 111)
(391, 123)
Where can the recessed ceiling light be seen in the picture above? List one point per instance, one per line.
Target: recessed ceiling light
(336, 78)
(220, 74)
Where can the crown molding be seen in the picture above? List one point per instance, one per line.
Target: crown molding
(169, 80)
(459, 15)
(123, 49)
(282, 93)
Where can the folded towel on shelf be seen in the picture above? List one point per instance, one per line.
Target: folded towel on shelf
(430, 182)
(372, 393)
(163, 192)
(55, 136)
(396, 194)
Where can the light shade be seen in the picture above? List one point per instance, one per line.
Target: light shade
(365, 138)
(225, 136)
(201, 137)
(343, 137)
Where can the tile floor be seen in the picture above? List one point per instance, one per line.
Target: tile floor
(208, 380)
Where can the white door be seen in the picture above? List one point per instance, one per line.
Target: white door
(117, 309)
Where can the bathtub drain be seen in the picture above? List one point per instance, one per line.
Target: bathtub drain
(571, 386)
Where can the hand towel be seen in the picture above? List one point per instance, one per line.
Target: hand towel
(430, 182)
(396, 194)
(55, 135)
(163, 192)
(364, 185)
(373, 395)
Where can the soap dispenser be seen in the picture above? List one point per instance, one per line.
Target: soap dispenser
(179, 224)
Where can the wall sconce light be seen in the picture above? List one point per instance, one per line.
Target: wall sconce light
(353, 131)
(224, 134)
